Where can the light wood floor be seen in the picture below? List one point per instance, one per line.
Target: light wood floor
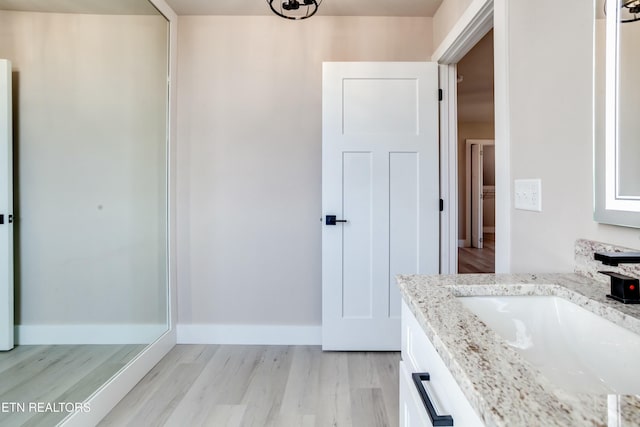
(55, 373)
(474, 260)
(208, 385)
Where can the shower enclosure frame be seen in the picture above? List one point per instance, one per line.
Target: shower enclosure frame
(6, 208)
(110, 393)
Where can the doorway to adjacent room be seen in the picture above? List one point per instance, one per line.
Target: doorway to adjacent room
(476, 159)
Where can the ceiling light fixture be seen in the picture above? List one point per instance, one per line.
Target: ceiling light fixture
(294, 9)
(629, 10)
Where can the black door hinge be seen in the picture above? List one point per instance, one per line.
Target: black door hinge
(441, 205)
(440, 95)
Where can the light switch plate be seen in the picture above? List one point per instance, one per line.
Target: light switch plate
(528, 194)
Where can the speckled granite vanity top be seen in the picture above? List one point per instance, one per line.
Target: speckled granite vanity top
(503, 388)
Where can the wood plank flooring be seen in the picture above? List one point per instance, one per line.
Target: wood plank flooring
(474, 260)
(55, 373)
(208, 385)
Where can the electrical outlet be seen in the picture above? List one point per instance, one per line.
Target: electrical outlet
(528, 194)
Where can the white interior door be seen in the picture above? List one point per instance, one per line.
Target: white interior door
(477, 197)
(380, 175)
(6, 209)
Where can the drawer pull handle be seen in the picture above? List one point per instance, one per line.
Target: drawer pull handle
(436, 420)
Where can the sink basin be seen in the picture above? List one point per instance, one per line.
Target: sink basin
(575, 349)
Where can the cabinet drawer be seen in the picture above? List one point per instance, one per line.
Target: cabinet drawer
(412, 412)
(419, 355)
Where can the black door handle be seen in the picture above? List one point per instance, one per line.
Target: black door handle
(331, 220)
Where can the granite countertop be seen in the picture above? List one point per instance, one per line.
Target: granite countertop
(503, 388)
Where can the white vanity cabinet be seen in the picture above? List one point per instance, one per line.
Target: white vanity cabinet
(420, 357)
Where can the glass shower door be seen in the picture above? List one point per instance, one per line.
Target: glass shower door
(6, 209)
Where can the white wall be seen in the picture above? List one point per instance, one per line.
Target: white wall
(90, 162)
(446, 17)
(249, 156)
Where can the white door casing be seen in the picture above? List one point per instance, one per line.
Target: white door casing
(380, 174)
(6, 209)
(477, 192)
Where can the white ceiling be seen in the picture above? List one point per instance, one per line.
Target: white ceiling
(328, 7)
(224, 7)
(104, 7)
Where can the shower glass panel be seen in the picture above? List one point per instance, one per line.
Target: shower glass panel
(90, 196)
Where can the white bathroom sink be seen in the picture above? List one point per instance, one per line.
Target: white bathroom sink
(577, 350)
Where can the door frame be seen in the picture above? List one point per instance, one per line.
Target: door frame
(477, 159)
(467, 220)
(473, 24)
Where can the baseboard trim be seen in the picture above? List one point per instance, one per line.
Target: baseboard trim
(88, 334)
(488, 229)
(249, 334)
(462, 243)
(110, 393)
